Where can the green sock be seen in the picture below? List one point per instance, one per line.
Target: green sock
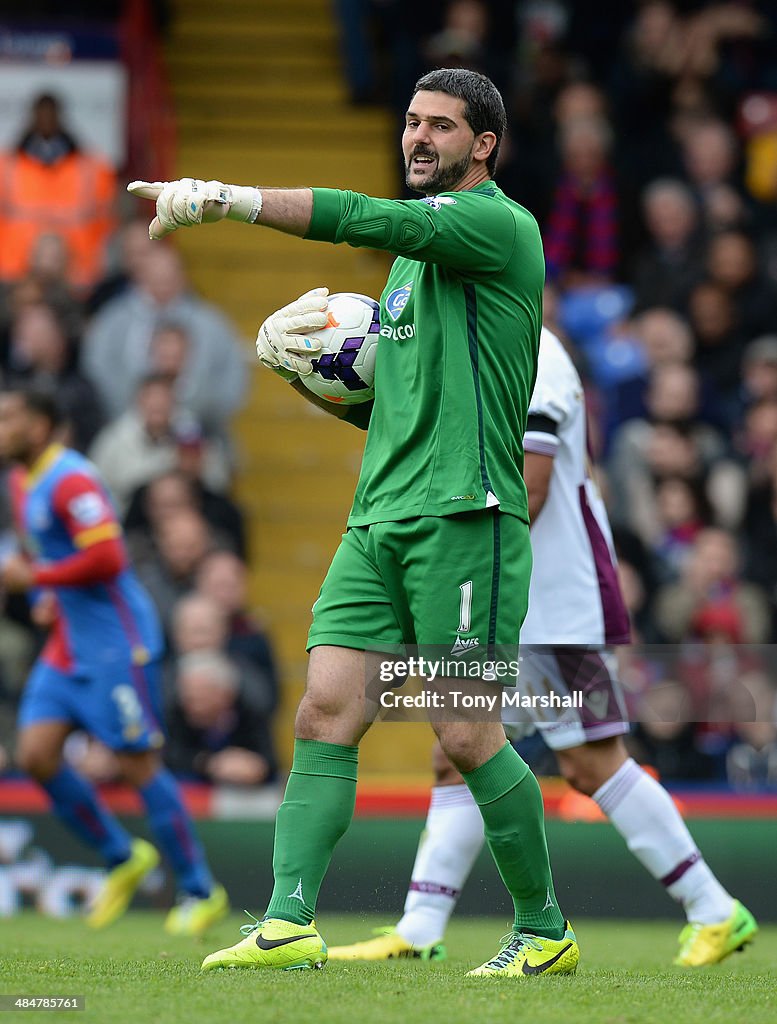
(510, 801)
(316, 811)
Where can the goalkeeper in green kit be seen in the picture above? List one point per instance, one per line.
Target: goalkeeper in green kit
(437, 548)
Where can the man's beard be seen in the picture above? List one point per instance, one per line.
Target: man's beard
(443, 180)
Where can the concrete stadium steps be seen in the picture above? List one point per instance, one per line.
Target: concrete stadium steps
(260, 39)
(272, 167)
(227, 90)
(331, 132)
(239, 247)
(260, 98)
(247, 63)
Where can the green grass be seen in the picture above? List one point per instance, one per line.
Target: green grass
(133, 972)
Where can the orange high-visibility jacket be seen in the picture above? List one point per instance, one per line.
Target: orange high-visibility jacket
(72, 197)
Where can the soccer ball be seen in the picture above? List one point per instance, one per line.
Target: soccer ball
(344, 369)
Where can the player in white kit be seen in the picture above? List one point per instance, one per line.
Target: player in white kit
(576, 615)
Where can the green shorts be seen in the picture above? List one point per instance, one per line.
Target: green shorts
(444, 580)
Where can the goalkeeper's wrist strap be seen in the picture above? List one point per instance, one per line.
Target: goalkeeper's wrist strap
(246, 204)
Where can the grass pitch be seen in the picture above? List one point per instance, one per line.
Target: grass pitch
(133, 972)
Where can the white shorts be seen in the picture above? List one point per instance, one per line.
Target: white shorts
(565, 671)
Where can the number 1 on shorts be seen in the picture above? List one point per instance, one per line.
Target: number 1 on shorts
(465, 608)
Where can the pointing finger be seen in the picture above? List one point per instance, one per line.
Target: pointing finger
(146, 189)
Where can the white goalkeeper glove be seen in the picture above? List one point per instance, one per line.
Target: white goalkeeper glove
(282, 344)
(189, 201)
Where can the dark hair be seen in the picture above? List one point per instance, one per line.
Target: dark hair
(695, 487)
(47, 99)
(484, 108)
(42, 403)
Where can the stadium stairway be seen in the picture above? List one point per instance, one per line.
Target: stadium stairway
(260, 98)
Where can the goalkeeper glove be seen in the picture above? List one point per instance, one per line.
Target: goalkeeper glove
(282, 345)
(181, 204)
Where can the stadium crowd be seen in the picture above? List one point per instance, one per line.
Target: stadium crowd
(148, 375)
(644, 139)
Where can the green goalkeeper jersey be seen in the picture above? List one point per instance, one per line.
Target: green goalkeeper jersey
(460, 324)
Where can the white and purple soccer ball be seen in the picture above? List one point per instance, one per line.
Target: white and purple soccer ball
(344, 369)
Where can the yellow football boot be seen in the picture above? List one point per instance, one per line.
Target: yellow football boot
(193, 916)
(703, 944)
(121, 883)
(388, 945)
(523, 955)
(273, 943)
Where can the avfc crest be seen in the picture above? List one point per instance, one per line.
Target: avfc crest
(397, 300)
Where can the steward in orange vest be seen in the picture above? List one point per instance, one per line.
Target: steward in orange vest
(49, 186)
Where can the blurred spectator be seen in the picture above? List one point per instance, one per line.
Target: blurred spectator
(173, 491)
(579, 101)
(117, 350)
(674, 450)
(759, 369)
(682, 512)
(142, 444)
(712, 669)
(461, 42)
(581, 238)
(710, 155)
(198, 459)
(49, 181)
(170, 354)
(223, 577)
(733, 265)
(180, 543)
(664, 735)
(757, 440)
(213, 733)
(528, 158)
(33, 290)
(200, 622)
(668, 269)
(719, 343)
(673, 395)
(711, 579)
(668, 441)
(49, 269)
(664, 338)
(160, 500)
(751, 762)
(127, 250)
(642, 83)
(41, 357)
(358, 49)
